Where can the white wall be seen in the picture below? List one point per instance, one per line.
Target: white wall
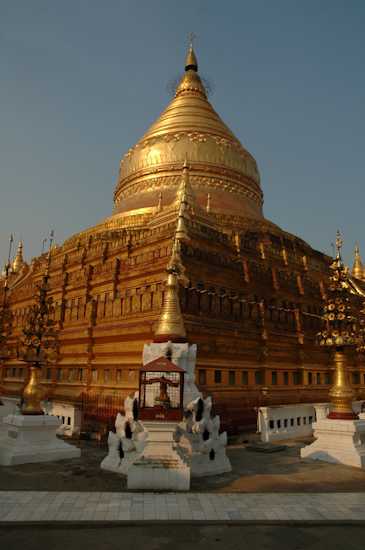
(293, 421)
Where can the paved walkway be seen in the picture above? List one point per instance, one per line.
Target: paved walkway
(31, 506)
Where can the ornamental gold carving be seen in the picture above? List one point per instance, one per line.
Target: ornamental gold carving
(149, 143)
(247, 164)
(197, 181)
(171, 137)
(193, 136)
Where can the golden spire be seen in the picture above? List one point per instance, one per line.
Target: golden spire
(191, 62)
(181, 233)
(185, 187)
(170, 324)
(5, 273)
(48, 260)
(18, 260)
(176, 258)
(358, 268)
(191, 82)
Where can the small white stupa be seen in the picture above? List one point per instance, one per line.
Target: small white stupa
(166, 436)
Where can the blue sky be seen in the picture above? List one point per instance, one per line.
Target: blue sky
(82, 80)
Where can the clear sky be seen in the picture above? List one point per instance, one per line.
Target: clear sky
(82, 80)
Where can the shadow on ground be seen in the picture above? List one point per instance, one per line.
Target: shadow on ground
(162, 536)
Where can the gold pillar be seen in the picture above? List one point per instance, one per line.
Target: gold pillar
(34, 393)
(341, 392)
(170, 325)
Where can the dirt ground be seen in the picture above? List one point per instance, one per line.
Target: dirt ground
(284, 472)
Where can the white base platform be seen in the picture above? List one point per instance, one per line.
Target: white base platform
(341, 441)
(33, 439)
(159, 467)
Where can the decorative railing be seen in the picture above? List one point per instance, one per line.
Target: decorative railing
(293, 421)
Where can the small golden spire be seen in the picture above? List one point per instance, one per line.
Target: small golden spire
(185, 187)
(191, 62)
(6, 269)
(170, 324)
(159, 206)
(338, 245)
(358, 268)
(18, 260)
(209, 198)
(181, 233)
(176, 261)
(48, 261)
(337, 264)
(5, 274)
(191, 83)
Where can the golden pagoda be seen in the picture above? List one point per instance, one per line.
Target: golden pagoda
(358, 268)
(219, 165)
(18, 260)
(255, 300)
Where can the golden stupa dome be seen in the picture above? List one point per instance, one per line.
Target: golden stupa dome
(18, 260)
(189, 129)
(358, 268)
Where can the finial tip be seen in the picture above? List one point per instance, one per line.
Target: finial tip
(191, 62)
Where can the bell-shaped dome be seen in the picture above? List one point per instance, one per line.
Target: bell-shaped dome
(18, 260)
(189, 129)
(358, 268)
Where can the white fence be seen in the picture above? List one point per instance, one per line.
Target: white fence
(69, 414)
(293, 421)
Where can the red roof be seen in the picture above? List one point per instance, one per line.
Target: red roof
(162, 364)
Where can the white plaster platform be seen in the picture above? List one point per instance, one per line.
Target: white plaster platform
(33, 439)
(159, 467)
(340, 441)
